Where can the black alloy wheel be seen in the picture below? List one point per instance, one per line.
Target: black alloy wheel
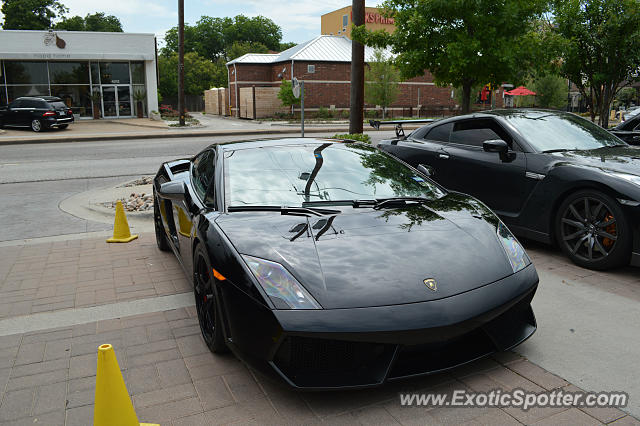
(161, 236)
(206, 304)
(593, 231)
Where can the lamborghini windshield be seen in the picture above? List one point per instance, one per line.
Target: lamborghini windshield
(290, 175)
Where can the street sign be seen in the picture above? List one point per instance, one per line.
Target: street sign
(295, 87)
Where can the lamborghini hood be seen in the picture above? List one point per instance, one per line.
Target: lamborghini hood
(365, 257)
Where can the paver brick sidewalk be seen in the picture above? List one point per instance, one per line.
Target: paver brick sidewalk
(48, 378)
(50, 276)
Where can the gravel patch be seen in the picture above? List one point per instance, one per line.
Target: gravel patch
(136, 202)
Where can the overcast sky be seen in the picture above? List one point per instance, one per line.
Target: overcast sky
(299, 20)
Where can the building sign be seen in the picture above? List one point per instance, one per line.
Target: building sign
(52, 38)
(376, 18)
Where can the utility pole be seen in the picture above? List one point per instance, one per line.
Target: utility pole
(181, 61)
(357, 72)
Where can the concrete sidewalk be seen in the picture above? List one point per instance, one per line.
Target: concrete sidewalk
(48, 343)
(144, 128)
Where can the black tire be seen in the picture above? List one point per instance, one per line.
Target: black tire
(36, 125)
(161, 236)
(63, 126)
(593, 231)
(206, 302)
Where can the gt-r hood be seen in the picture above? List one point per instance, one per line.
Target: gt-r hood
(365, 257)
(624, 159)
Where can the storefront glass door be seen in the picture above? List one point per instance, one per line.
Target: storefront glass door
(116, 101)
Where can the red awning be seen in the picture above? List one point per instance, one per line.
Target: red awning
(520, 91)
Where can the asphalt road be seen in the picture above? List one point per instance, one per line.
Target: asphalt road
(35, 178)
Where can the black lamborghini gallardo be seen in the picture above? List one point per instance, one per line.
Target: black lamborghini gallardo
(330, 264)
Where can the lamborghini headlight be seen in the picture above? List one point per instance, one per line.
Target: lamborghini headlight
(280, 285)
(515, 253)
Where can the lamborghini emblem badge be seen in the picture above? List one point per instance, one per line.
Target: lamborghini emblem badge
(431, 284)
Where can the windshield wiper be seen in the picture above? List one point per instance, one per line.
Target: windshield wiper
(382, 202)
(549, 151)
(284, 210)
(376, 203)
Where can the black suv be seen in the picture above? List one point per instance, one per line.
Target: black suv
(41, 112)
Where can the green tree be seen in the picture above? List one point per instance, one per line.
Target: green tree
(287, 45)
(551, 91)
(599, 48)
(381, 79)
(31, 14)
(200, 74)
(213, 38)
(92, 22)
(462, 43)
(626, 96)
(286, 94)
(240, 48)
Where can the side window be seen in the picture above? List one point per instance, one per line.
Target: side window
(440, 133)
(31, 103)
(16, 104)
(419, 133)
(202, 175)
(475, 132)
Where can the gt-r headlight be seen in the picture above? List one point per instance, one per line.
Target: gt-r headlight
(280, 285)
(515, 253)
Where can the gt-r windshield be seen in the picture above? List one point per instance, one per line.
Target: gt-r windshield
(549, 131)
(290, 175)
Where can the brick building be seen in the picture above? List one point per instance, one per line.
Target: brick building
(324, 63)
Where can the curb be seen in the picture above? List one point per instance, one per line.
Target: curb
(174, 134)
(86, 205)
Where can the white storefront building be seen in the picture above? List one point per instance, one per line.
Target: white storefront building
(75, 65)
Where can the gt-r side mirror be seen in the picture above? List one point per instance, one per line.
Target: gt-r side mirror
(426, 170)
(495, 145)
(173, 190)
(499, 146)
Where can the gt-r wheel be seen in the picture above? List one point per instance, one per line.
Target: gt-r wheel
(593, 231)
(36, 125)
(206, 303)
(161, 236)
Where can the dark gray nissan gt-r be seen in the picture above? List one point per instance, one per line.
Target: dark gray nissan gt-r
(328, 264)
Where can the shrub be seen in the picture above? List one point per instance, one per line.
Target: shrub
(371, 113)
(345, 113)
(323, 113)
(361, 137)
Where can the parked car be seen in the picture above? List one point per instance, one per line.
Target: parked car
(326, 264)
(551, 176)
(38, 113)
(629, 130)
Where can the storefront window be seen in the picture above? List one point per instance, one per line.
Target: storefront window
(137, 72)
(27, 90)
(139, 89)
(69, 72)
(26, 72)
(3, 96)
(95, 73)
(114, 72)
(78, 98)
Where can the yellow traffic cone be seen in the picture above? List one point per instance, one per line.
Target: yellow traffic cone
(121, 233)
(112, 406)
